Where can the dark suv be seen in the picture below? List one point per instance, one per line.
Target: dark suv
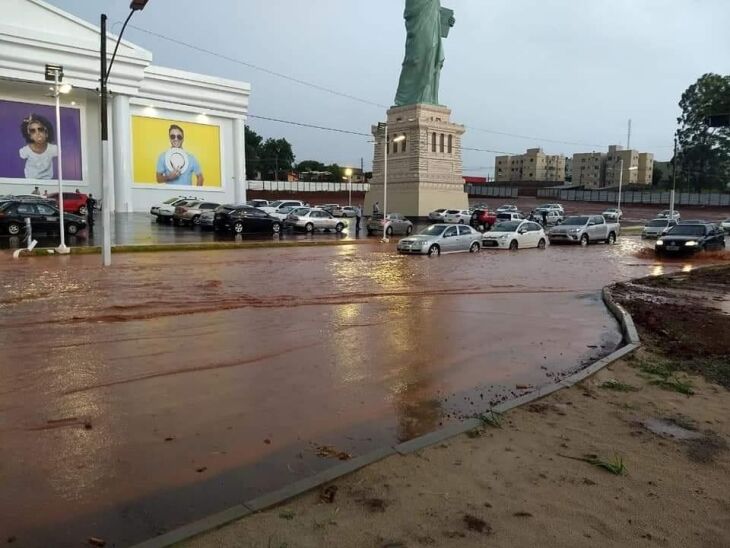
(43, 217)
(243, 218)
(690, 238)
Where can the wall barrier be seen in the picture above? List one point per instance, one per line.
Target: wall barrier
(306, 186)
(716, 199)
(489, 191)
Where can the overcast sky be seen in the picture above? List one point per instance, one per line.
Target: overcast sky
(565, 74)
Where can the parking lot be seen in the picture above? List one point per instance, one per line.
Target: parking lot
(178, 384)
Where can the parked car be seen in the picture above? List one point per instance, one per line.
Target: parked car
(509, 216)
(311, 219)
(329, 207)
(207, 219)
(725, 225)
(345, 211)
(669, 214)
(457, 216)
(73, 202)
(257, 202)
(155, 209)
(508, 209)
(657, 227)
(551, 207)
(442, 238)
(515, 235)
(437, 215)
(43, 217)
(482, 219)
(584, 229)
(691, 238)
(547, 217)
(281, 208)
(613, 214)
(189, 214)
(165, 211)
(243, 218)
(393, 223)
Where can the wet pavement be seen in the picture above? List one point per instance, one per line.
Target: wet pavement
(174, 385)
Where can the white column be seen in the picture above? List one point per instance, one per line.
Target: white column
(121, 139)
(239, 160)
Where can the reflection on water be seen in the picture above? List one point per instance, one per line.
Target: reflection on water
(657, 270)
(688, 268)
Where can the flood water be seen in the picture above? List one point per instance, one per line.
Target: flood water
(174, 385)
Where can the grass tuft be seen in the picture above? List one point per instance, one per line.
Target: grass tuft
(490, 418)
(613, 384)
(674, 384)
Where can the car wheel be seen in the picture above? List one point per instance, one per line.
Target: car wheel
(584, 240)
(434, 250)
(14, 229)
(339, 227)
(513, 245)
(409, 230)
(541, 244)
(475, 247)
(72, 229)
(196, 220)
(238, 227)
(309, 227)
(389, 231)
(276, 227)
(611, 239)
(83, 211)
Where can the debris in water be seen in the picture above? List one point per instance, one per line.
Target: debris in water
(328, 494)
(95, 541)
(330, 452)
(474, 523)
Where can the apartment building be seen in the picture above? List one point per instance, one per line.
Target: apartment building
(533, 166)
(589, 169)
(601, 170)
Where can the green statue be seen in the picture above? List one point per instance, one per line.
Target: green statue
(426, 24)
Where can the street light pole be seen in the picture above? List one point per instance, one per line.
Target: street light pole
(348, 172)
(55, 73)
(106, 247)
(620, 181)
(674, 176)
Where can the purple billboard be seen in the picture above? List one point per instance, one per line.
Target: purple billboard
(29, 142)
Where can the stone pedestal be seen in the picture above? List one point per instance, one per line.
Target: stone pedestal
(424, 169)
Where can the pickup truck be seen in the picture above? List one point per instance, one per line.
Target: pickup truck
(583, 230)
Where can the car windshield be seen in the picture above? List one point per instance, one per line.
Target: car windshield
(439, 210)
(611, 209)
(658, 222)
(545, 206)
(667, 212)
(300, 211)
(453, 211)
(433, 230)
(575, 221)
(277, 203)
(687, 230)
(509, 226)
(171, 201)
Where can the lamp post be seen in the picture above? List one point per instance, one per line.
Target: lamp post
(348, 173)
(620, 182)
(54, 73)
(106, 248)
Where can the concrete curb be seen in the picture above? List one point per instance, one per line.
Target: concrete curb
(411, 446)
(158, 248)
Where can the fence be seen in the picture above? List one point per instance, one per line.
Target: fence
(489, 191)
(306, 186)
(636, 197)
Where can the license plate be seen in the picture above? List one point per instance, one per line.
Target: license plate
(672, 248)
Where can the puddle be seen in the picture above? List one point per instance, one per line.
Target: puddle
(669, 429)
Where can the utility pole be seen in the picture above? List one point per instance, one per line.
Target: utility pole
(628, 139)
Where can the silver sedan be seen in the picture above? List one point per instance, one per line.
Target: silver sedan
(442, 238)
(311, 219)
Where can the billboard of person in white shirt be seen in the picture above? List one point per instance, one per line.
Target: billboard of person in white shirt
(40, 149)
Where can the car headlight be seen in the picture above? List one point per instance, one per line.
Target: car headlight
(503, 237)
(574, 230)
(659, 242)
(691, 244)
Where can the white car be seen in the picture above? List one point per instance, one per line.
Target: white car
(515, 235)
(508, 209)
(551, 207)
(311, 219)
(669, 214)
(457, 216)
(166, 210)
(437, 215)
(281, 208)
(613, 214)
(508, 216)
(344, 211)
(725, 225)
(657, 228)
(171, 202)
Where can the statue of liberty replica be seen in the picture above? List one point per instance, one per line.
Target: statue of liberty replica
(417, 157)
(427, 23)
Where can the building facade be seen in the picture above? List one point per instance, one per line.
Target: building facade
(170, 132)
(589, 169)
(619, 166)
(533, 166)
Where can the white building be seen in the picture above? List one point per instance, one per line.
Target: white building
(146, 101)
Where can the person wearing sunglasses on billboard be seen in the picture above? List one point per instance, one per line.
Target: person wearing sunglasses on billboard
(177, 166)
(39, 150)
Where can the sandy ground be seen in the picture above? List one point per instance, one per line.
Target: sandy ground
(515, 485)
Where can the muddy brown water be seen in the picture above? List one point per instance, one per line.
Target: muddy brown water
(171, 386)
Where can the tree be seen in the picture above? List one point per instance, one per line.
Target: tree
(335, 173)
(253, 149)
(309, 165)
(276, 157)
(704, 151)
(657, 175)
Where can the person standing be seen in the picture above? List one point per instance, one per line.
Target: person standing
(376, 208)
(90, 206)
(358, 216)
(45, 193)
(36, 191)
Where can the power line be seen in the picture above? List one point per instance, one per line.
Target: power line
(303, 124)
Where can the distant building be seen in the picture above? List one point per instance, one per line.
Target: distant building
(601, 170)
(475, 180)
(531, 167)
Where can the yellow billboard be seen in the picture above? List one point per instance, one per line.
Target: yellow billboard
(175, 153)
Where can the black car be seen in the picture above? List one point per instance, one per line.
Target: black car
(244, 218)
(690, 238)
(43, 218)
